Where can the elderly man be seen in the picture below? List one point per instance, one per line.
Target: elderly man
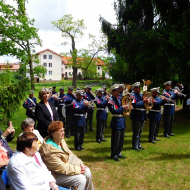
(117, 123)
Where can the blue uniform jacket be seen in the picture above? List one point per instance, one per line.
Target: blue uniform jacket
(101, 103)
(153, 115)
(79, 108)
(169, 108)
(69, 98)
(136, 114)
(116, 109)
(88, 96)
(60, 102)
(120, 97)
(28, 104)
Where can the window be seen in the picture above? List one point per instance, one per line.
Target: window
(65, 73)
(50, 72)
(45, 56)
(50, 64)
(50, 56)
(46, 73)
(69, 73)
(65, 67)
(98, 68)
(69, 67)
(45, 64)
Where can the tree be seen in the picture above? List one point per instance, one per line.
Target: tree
(151, 39)
(74, 29)
(17, 34)
(40, 71)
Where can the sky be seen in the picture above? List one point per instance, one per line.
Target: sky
(46, 11)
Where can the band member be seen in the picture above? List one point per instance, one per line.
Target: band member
(53, 90)
(30, 105)
(80, 108)
(101, 103)
(69, 97)
(117, 123)
(60, 102)
(138, 116)
(121, 89)
(154, 115)
(104, 95)
(89, 97)
(169, 108)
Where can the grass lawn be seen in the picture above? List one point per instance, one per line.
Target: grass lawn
(164, 165)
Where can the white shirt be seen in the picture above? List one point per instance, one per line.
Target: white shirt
(26, 174)
(50, 111)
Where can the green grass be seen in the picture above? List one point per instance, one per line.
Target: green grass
(164, 165)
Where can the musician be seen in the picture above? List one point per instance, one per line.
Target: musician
(80, 108)
(138, 116)
(30, 105)
(121, 89)
(117, 123)
(154, 115)
(68, 98)
(101, 114)
(89, 96)
(53, 90)
(169, 108)
(104, 95)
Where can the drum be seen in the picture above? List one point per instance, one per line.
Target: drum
(64, 111)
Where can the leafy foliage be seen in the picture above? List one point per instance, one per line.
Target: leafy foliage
(5, 76)
(150, 40)
(11, 98)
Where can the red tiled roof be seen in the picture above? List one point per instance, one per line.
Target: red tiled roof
(50, 51)
(14, 66)
(99, 62)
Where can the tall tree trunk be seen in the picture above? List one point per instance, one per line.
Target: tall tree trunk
(75, 69)
(31, 75)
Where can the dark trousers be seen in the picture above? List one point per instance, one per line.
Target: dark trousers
(79, 136)
(89, 119)
(117, 140)
(100, 129)
(153, 129)
(69, 124)
(137, 127)
(168, 124)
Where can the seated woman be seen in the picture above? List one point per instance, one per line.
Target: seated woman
(5, 154)
(45, 112)
(26, 170)
(28, 126)
(68, 169)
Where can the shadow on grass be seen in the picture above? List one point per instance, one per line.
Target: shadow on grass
(165, 156)
(87, 158)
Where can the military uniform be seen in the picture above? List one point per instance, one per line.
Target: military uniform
(69, 98)
(89, 97)
(154, 116)
(104, 95)
(101, 116)
(79, 121)
(169, 109)
(138, 117)
(54, 92)
(117, 125)
(30, 103)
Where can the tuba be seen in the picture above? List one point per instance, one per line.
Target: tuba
(147, 94)
(126, 100)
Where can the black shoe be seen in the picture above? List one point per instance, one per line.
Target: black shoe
(166, 136)
(91, 129)
(67, 136)
(152, 141)
(141, 148)
(82, 148)
(120, 156)
(115, 158)
(104, 140)
(106, 126)
(134, 148)
(98, 141)
(171, 134)
(78, 149)
(157, 139)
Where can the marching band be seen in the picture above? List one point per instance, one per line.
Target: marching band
(78, 109)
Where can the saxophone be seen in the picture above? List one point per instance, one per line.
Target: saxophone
(147, 94)
(126, 100)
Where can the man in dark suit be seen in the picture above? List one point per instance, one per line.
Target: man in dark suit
(30, 105)
(80, 108)
(117, 123)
